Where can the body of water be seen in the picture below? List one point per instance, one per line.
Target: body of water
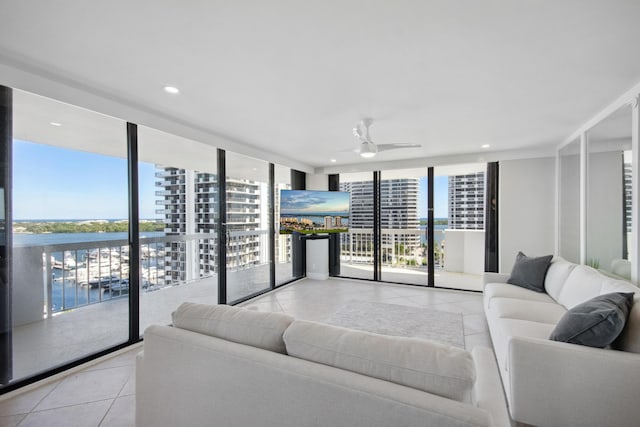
(67, 292)
(25, 239)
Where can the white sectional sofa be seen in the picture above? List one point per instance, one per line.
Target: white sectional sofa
(225, 366)
(550, 383)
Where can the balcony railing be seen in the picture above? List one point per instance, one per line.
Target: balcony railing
(54, 278)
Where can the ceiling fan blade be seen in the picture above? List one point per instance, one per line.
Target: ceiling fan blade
(387, 147)
(350, 150)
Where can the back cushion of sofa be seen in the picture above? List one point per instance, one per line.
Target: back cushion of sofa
(421, 364)
(629, 339)
(582, 284)
(557, 275)
(262, 330)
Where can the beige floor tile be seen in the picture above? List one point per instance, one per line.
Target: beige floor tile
(25, 402)
(129, 387)
(475, 323)
(84, 415)
(122, 413)
(87, 386)
(11, 420)
(473, 340)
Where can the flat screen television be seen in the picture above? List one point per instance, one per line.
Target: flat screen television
(314, 212)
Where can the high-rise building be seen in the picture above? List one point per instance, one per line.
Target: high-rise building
(466, 201)
(400, 237)
(190, 199)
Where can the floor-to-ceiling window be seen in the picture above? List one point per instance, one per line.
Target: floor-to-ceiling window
(459, 232)
(178, 197)
(70, 225)
(458, 247)
(247, 226)
(357, 246)
(77, 178)
(403, 222)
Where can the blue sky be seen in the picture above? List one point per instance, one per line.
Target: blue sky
(440, 197)
(299, 202)
(56, 183)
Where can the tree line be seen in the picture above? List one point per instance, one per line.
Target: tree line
(83, 227)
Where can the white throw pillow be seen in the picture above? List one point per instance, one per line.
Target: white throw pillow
(263, 330)
(421, 364)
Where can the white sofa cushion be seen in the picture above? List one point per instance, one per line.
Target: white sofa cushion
(557, 274)
(422, 364)
(534, 311)
(505, 290)
(582, 284)
(262, 330)
(502, 329)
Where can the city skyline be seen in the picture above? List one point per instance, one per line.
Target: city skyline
(57, 183)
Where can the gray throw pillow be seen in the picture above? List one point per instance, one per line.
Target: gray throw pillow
(529, 272)
(595, 323)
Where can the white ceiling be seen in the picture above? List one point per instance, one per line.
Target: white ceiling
(291, 78)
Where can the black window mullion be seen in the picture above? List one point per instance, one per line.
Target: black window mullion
(221, 226)
(377, 228)
(334, 238)
(6, 244)
(134, 233)
(298, 246)
(430, 231)
(491, 218)
(272, 227)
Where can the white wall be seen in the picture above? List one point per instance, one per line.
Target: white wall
(526, 209)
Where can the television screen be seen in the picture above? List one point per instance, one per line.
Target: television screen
(314, 212)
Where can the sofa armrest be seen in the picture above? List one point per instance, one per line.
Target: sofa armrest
(494, 278)
(560, 384)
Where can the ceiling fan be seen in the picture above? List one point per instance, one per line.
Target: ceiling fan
(367, 148)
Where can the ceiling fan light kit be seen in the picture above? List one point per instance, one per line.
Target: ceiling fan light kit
(368, 148)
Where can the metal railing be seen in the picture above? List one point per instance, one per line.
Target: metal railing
(84, 273)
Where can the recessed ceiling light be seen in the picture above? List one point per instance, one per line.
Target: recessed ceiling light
(332, 160)
(172, 90)
(485, 146)
(55, 124)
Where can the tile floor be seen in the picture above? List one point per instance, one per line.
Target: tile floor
(102, 393)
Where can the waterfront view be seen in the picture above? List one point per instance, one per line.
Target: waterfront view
(89, 267)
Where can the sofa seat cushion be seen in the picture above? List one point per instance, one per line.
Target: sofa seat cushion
(534, 311)
(505, 290)
(502, 329)
(258, 329)
(421, 364)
